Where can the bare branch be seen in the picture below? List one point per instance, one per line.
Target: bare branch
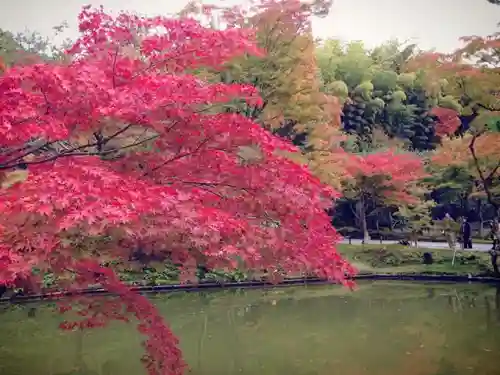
(480, 172)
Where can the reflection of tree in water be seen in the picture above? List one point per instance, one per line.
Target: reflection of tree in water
(458, 301)
(492, 308)
(471, 342)
(431, 293)
(108, 368)
(497, 302)
(240, 321)
(319, 333)
(251, 314)
(446, 368)
(80, 367)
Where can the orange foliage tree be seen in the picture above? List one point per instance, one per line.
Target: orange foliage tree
(286, 74)
(295, 105)
(470, 76)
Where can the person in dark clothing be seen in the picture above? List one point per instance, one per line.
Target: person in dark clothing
(466, 234)
(495, 234)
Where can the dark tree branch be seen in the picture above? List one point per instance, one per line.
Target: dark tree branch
(484, 179)
(114, 66)
(76, 152)
(216, 184)
(178, 157)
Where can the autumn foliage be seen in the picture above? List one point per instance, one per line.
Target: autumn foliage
(447, 121)
(387, 174)
(122, 149)
(469, 80)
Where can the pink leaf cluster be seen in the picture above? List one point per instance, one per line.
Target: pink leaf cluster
(190, 194)
(448, 121)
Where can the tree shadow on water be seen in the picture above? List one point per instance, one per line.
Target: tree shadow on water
(80, 367)
(446, 368)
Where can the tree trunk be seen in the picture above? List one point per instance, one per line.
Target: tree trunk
(482, 233)
(391, 222)
(362, 219)
(464, 203)
(486, 180)
(414, 238)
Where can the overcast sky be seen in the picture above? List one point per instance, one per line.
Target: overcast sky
(430, 23)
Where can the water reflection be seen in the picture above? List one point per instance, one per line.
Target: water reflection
(384, 328)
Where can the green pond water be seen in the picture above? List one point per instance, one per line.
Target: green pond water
(383, 328)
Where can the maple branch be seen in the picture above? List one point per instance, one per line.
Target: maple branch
(474, 156)
(353, 210)
(178, 156)
(494, 171)
(216, 184)
(115, 57)
(7, 152)
(286, 44)
(480, 172)
(122, 130)
(47, 109)
(270, 33)
(9, 164)
(213, 192)
(73, 152)
(154, 64)
(99, 140)
(484, 106)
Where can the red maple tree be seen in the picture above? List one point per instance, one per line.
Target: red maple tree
(125, 149)
(383, 177)
(388, 173)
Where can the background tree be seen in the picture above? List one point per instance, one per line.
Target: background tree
(475, 118)
(469, 77)
(286, 74)
(379, 93)
(452, 188)
(295, 106)
(418, 214)
(30, 46)
(384, 178)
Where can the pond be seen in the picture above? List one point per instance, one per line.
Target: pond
(383, 328)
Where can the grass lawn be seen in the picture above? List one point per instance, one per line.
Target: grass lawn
(399, 259)
(368, 259)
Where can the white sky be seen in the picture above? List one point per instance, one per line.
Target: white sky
(430, 23)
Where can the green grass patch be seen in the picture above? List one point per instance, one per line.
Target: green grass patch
(368, 259)
(399, 259)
